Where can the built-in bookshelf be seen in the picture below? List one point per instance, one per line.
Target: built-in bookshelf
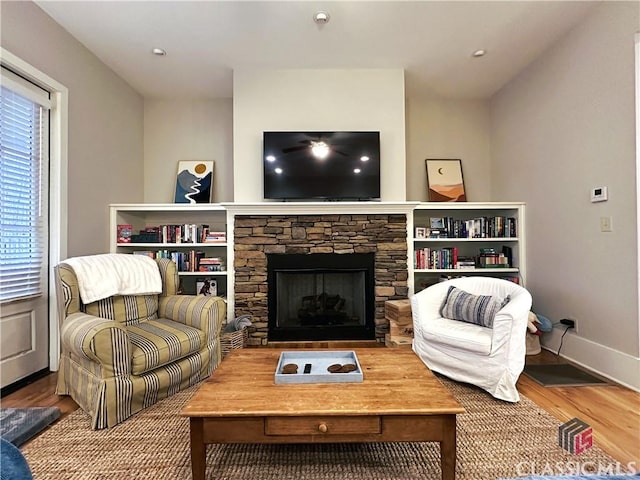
(194, 236)
(467, 238)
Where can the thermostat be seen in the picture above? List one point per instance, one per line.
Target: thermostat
(599, 194)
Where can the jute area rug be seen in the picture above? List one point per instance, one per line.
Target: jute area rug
(495, 440)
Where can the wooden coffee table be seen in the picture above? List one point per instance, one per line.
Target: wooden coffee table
(400, 400)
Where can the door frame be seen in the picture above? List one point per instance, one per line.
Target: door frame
(58, 150)
(637, 84)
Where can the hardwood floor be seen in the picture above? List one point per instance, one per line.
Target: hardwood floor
(40, 393)
(612, 410)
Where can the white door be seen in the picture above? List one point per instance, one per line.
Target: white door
(24, 228)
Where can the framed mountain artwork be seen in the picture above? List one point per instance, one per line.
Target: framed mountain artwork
(194, 181)
(444, 181)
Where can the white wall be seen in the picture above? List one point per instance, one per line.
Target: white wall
(105, 123)
(565, 125)
(317, 100)
(448, 128)
(187, 130)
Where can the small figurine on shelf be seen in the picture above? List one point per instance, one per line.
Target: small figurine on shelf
(206, 287)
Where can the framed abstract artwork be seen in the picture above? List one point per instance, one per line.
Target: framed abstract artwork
(444, 181)
(194, 181)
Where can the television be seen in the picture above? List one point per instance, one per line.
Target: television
(321, 165)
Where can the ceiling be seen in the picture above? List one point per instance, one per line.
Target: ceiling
(206, 40)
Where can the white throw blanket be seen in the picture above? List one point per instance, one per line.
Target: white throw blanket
(105, 275)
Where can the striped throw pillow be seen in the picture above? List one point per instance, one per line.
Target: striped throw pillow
(477, 309)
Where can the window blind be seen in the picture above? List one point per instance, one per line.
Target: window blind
(23, 162)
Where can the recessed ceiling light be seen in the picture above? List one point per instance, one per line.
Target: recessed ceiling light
(321, 17)
(159, 51)
(364, 158)
(356, 170)
(278, 170)
(479, 53)
(271, 158)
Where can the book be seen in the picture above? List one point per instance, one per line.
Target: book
(216, 235)
(508, 253)
(124, 233)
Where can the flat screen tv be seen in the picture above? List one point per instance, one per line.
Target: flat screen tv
(321, 165)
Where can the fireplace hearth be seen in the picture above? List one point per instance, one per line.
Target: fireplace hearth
(321, 296)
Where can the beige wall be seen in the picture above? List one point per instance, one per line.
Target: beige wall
(202, 129)
(105, 123)
(318, 100)
(446, 128)
(565, 125)
(187, 130)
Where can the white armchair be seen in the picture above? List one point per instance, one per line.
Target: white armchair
(490, 358)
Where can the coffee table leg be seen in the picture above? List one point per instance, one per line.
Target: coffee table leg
(448, 449)
(198, 449)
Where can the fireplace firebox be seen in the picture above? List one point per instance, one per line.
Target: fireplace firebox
(321, 296)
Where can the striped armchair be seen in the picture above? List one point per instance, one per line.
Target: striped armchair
(122, 354)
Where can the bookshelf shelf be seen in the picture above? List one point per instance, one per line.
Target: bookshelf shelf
(457, 240)
(466, 271)
(202, 274)
(171, 245)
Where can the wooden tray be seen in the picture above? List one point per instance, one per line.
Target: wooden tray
(319, 361)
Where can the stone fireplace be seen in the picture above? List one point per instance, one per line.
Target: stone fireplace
(259, 239)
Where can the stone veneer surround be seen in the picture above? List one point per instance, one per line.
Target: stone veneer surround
(254, 236)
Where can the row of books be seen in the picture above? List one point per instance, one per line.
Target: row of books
(490, 258)
(479, 227)
(188, 261)
(448, 258)
(495, 260)
(184, 233)
(432, 258)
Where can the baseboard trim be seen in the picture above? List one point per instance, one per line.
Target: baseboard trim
(614, 365)
(23, 382)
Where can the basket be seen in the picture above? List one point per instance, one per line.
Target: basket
(233, 340)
